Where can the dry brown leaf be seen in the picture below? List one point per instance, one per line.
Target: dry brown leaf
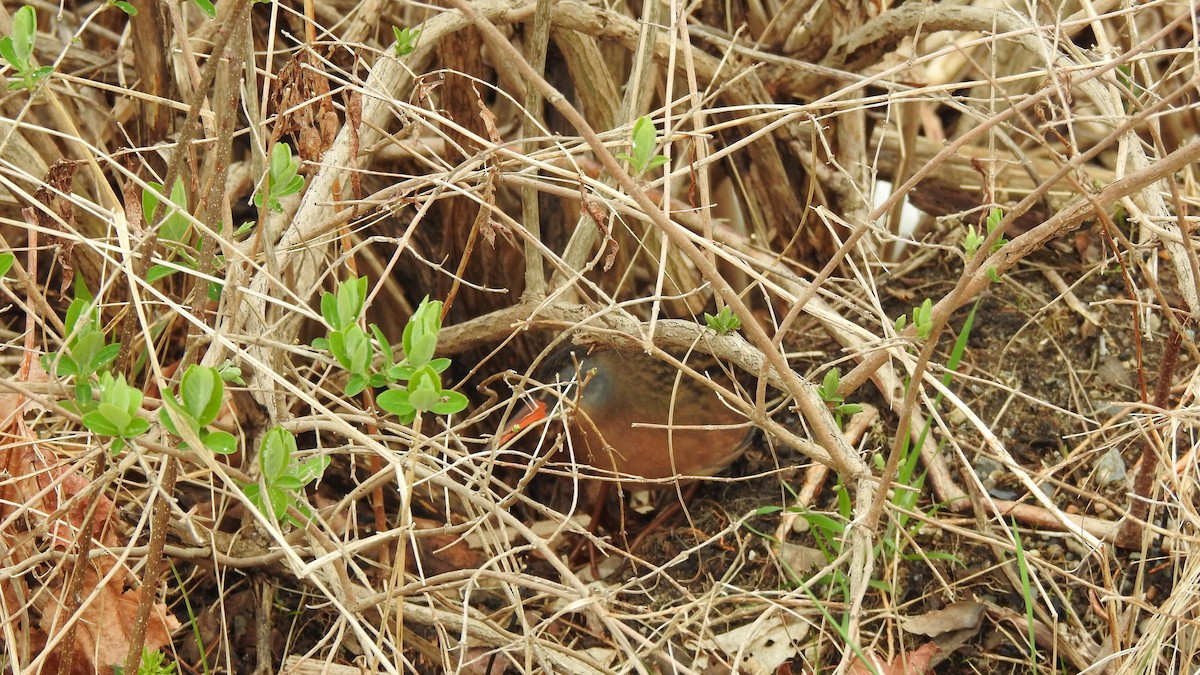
(915, 662)
(955, 616)
(304, 107)
(42, 482)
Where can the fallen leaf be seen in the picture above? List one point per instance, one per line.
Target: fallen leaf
(955, 616)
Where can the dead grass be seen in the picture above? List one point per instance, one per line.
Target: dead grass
(463, 172)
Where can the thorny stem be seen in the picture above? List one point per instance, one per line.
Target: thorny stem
(1147, 466)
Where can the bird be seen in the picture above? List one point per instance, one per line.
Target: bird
(635, 418)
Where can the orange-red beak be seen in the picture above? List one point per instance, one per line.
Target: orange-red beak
(538, 410)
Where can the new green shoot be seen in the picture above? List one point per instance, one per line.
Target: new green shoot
(642, 143)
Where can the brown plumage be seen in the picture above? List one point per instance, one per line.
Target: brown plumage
(633, 421)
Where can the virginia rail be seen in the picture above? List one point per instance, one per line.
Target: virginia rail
(634, 420)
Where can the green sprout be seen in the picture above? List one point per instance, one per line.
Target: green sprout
(725, 321)
(207, 7)
(406, 40)
(87, 351)
(175, 225)
(828, 391)
(282, 477)
(923, 319)
(117, 413)
(152, 663)
(349, 343)
(418, 371)
(972, 241)
(642, 141)
(17, 50)
(283, 179)
(201, 393)
(123, 6)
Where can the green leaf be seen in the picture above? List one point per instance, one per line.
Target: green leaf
(829, 386)
(106, 356)
(116, 413)
(423, 347)
(292, 186)
(337, 347)
(289, 482)
(113, 420)
(644, 135)
(98, 423)
(83, 398)
(253, 493)
(423, 398)
(202, 392)
(278, 446)
(358, 350)
(220, 442)
(400, 372)
(923, 319)
(312, 469)
(175, 224)
(352, 349)
(395, 401)
(159, 272)
(86, 348)
(75, 310)
(724, 322)
(351, 296)
(6, 263)
(230, 372)
(356, 384)
(329, 311)
(823, 522)
(452, 402)
(175, 227)
(385, 348)
(60, 364)
(423, 326)
(279, 501)
(425, 390)
(136, 427)
(282, 178)
(281, 156)
(207, 7)
(125, 7)
(9, 54)
(995, 216)
(23, 35)
(164, 415)
(37, 75)
(845, 508)
(406, 40)
(115, 392)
